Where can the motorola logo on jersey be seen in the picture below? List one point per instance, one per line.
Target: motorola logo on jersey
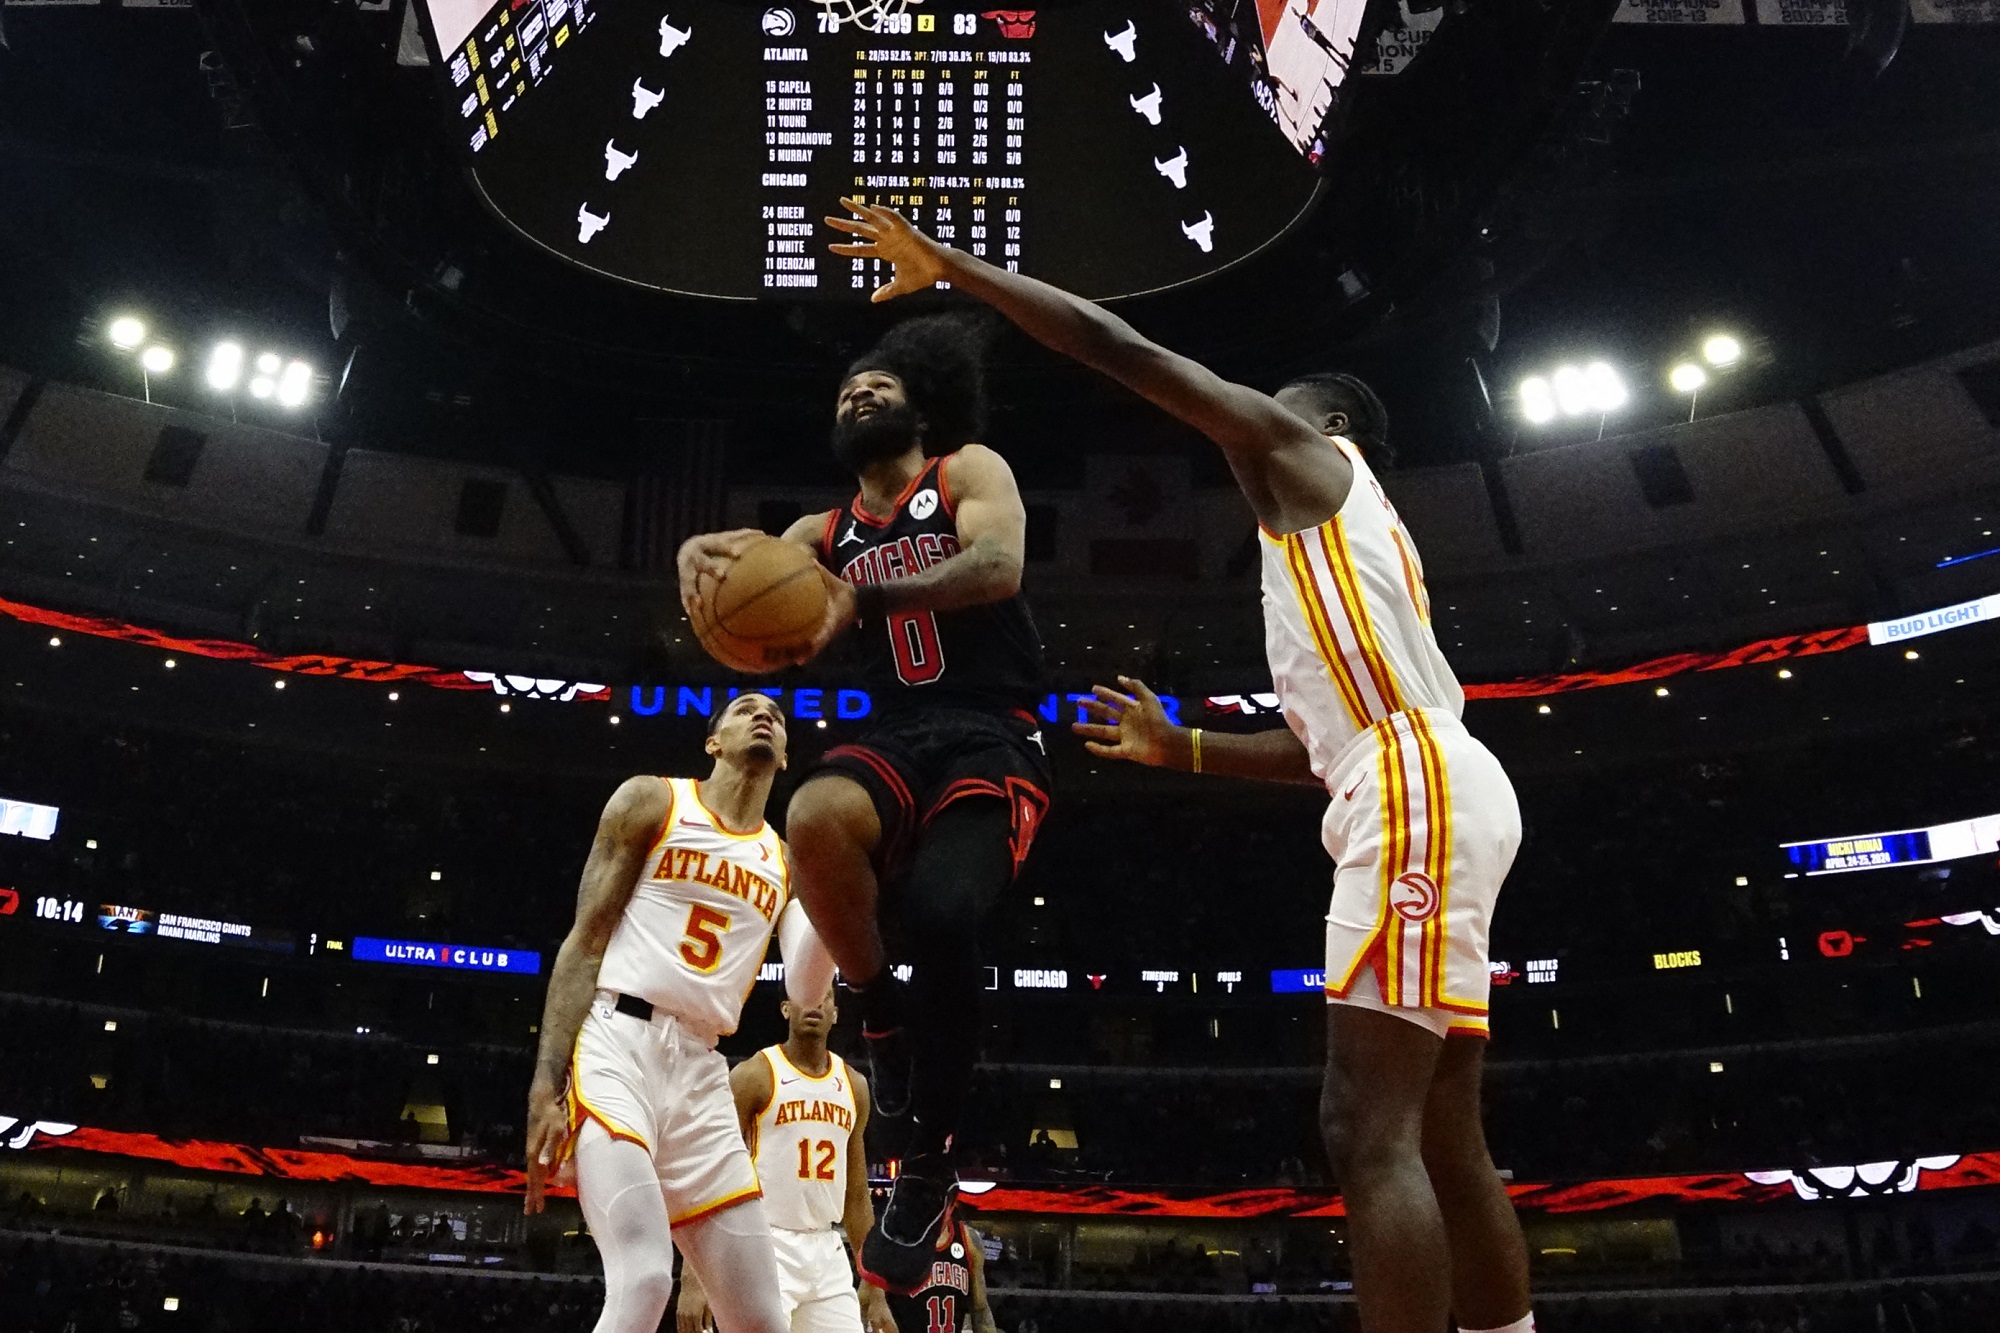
(1415, 896)
(924, 503)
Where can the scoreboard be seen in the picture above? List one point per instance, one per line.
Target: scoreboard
(694, 146)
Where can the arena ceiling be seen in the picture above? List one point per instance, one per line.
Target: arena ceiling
(1600, 191)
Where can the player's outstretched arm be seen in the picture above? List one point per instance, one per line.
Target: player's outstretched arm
(1290, 475)
(624, 835)
(809, 964)
(857, 1214)
(975, 1259)
(1132, 725)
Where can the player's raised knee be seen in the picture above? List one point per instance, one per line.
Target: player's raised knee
(828, 809)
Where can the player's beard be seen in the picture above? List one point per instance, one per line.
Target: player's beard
(885, 433)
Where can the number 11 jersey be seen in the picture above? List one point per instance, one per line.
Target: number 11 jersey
(700, 920)
(983, 657)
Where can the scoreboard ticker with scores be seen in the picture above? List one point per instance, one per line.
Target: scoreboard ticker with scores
(694, 146)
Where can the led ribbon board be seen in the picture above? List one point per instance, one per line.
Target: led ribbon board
(694, 146)
(1875, 1179)
(462, 957)
(1904, 847)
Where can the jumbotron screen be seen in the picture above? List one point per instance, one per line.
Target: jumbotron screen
(694, 146)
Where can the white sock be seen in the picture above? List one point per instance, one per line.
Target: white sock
(1525, 1324)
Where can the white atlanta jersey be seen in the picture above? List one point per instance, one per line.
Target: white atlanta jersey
(1347, 624)
(800, 1143)
(701, 918)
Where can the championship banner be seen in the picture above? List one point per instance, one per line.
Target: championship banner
(1802, 13)
(1400, 42)
(1813, 1184)
(1681, 13)
(1955, 11)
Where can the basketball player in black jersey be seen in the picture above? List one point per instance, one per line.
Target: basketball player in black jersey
(953, 1297)
(936, 806)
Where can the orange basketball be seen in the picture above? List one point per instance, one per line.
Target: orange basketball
(768, 604)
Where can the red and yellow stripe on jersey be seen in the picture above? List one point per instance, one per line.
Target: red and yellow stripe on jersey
(1347, 623)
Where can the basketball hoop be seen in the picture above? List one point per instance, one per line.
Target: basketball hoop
(867, 15)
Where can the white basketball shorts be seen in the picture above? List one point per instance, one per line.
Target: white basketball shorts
(659, 1086)
(816, 1281)
(1422, 830)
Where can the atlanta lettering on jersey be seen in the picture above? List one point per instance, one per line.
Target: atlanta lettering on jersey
(792, 1113)
(687, 864)
(901, 558)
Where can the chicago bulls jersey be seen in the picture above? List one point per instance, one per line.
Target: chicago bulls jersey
(944, 1303)
(800, 1143)
(701, 918)
(985, 657)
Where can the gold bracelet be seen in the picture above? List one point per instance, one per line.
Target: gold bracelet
(1197, 750)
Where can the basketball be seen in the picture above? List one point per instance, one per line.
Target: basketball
(768, 604)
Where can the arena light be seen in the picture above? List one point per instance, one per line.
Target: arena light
(294, 384)
(1721, 349)
(263, 387)
(1605, 387)
(269, 363)
(1538, 400)
(157, 359)
(1572, 391)
(225, 366)
(127, 332)
(1687, 377)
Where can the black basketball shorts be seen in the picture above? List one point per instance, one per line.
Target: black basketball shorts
(915, 764)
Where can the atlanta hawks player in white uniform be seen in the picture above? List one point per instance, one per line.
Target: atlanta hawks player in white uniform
(804, 1113)
(683, 889)
(1423, 823)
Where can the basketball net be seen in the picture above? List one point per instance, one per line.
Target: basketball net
(864, 14)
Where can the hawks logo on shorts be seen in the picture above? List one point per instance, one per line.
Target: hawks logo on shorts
(1424, 823)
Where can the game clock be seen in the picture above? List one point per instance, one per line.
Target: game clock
(694, 146)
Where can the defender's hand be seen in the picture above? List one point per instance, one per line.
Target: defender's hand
(548, 1134)
(691, 1312)
(1126, 726)
(875, 1316)
(840, 616)
(712, 554)
(886, 234)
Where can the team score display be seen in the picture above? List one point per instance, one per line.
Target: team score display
(919, 652)
(701, 948)
(944, 1314)
(823, 1169)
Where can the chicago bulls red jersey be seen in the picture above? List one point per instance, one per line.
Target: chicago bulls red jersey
(987, 657)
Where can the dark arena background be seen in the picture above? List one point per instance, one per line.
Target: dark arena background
(363, 363)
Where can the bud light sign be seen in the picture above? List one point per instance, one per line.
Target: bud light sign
(464, 957)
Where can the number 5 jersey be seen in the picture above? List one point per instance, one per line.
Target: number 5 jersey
(701, 918)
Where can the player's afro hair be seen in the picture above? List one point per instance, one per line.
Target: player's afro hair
(941, 361)
(1367, 419)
